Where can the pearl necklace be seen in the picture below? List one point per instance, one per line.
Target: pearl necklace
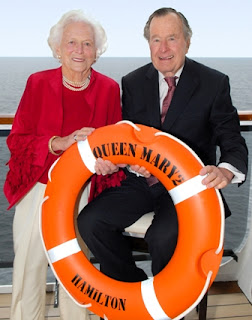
(74, 85)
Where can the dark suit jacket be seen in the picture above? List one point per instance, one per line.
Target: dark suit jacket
(201, 112)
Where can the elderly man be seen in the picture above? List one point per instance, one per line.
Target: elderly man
(200, 113)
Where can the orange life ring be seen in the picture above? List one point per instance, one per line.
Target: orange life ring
(180, 286)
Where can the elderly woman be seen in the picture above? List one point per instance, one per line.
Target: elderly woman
(58, 108)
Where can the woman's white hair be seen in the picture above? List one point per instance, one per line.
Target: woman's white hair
(56, 31)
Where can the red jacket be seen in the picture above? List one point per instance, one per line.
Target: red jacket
(40, 116)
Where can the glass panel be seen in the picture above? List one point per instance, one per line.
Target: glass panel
(238, 201)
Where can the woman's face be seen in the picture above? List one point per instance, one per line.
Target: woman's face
(77, 50)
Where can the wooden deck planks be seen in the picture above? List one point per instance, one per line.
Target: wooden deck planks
(225, 302)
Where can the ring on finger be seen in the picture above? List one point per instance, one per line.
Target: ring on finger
(75, 137)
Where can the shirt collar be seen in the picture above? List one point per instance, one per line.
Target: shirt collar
(177, 74)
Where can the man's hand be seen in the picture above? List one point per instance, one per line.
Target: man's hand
(138, 170)
(106, 167)
(217, 178)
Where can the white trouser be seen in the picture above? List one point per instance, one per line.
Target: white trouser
(30, 265)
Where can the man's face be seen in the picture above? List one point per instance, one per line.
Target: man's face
(167, 44)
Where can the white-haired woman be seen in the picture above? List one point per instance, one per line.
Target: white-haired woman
(58, 107)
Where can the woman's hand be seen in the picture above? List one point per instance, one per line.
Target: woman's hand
(217, 178)
(63, 143)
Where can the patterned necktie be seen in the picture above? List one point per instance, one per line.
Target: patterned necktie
(171, 81)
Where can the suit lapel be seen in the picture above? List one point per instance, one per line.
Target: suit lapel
(187, 84)
(151, 97)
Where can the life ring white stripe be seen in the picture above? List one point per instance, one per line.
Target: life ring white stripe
(63, 250)
(150, 300)
(187, 189)
(86, 155)
(51, 169)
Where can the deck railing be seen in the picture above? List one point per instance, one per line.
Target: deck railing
(7, 119)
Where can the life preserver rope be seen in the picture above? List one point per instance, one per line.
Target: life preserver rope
(180, 286)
